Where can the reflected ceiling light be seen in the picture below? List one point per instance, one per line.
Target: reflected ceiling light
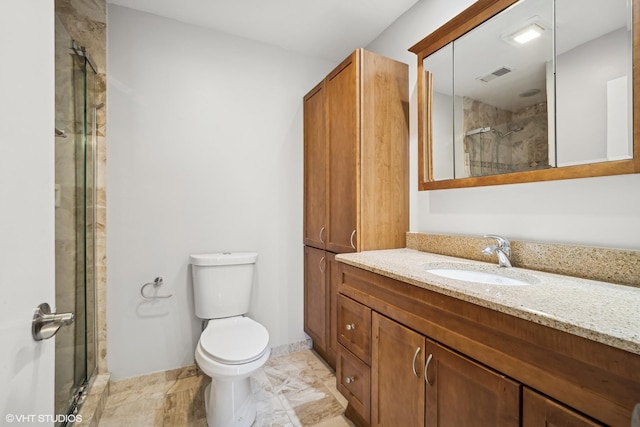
(528, 33)
(529, 30)
(528, 93)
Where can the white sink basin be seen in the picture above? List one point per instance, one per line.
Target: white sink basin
(466, 274)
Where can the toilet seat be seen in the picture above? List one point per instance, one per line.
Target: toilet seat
(234, 340)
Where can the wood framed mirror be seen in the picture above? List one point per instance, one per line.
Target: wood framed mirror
(513, 91)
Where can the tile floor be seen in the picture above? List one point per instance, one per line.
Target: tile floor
(297, 389)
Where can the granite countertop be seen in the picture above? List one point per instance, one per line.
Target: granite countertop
(600, 311)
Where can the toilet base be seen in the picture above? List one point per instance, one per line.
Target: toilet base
(230, 403)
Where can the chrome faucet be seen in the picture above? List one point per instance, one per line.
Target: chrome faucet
(502, 249)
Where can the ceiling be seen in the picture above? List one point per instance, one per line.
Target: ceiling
(327, 29)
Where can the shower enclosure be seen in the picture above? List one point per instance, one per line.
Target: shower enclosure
(75, 136)
(511, 147)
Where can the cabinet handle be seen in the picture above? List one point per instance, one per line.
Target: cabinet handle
(349, 380)
(323, 259)
(350, 326)
(415, 356)
(353, 233)
(426, 370)
(321, 233)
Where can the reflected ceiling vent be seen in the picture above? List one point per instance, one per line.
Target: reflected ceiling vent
(495, 74)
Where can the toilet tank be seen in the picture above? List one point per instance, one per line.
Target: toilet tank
(222, 283)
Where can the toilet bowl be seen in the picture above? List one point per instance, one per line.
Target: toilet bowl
(232, 346)
(229, 351)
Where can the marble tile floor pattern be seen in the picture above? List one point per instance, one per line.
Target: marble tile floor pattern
(294, 390)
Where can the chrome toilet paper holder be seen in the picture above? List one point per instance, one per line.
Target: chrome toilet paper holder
(158, 281)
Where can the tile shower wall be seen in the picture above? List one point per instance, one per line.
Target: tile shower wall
(85, 20)
(488, 154)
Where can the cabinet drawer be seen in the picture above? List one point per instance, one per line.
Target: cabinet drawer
(538, 410)
(354, 382)
(354, 327)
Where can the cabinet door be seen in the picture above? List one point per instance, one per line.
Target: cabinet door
(397, 386)
(315, 296)
(334, 278)
(461, 392)
(344, 139)
(315, 168)
(539, 411)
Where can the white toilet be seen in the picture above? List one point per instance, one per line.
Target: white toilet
(232, 346)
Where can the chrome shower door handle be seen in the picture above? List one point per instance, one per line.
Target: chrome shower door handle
(46, 324)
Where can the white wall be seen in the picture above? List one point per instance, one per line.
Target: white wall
(204, 155)
(27, 258)
(595, 211)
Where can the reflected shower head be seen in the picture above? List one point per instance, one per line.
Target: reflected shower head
(496, 131)
(479, 130)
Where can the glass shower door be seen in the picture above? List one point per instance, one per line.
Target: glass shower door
(74, 220)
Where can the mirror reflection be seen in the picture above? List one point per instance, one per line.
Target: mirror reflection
(503, 78)
(593, 81)
(439, 84)
(543, 84)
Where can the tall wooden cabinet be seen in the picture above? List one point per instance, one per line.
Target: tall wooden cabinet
(356, 166)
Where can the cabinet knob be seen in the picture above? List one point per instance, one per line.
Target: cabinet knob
(350, 326)
(349, 380)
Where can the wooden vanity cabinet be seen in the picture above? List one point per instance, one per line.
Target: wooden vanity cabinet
(441, 361)
(417, 382)
(356, 171)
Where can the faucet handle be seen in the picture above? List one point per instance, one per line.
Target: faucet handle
(489, 250)
(503, 243)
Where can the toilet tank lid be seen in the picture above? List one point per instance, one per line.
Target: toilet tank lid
(223, 258)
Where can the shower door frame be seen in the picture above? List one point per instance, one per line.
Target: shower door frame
(82, 364)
